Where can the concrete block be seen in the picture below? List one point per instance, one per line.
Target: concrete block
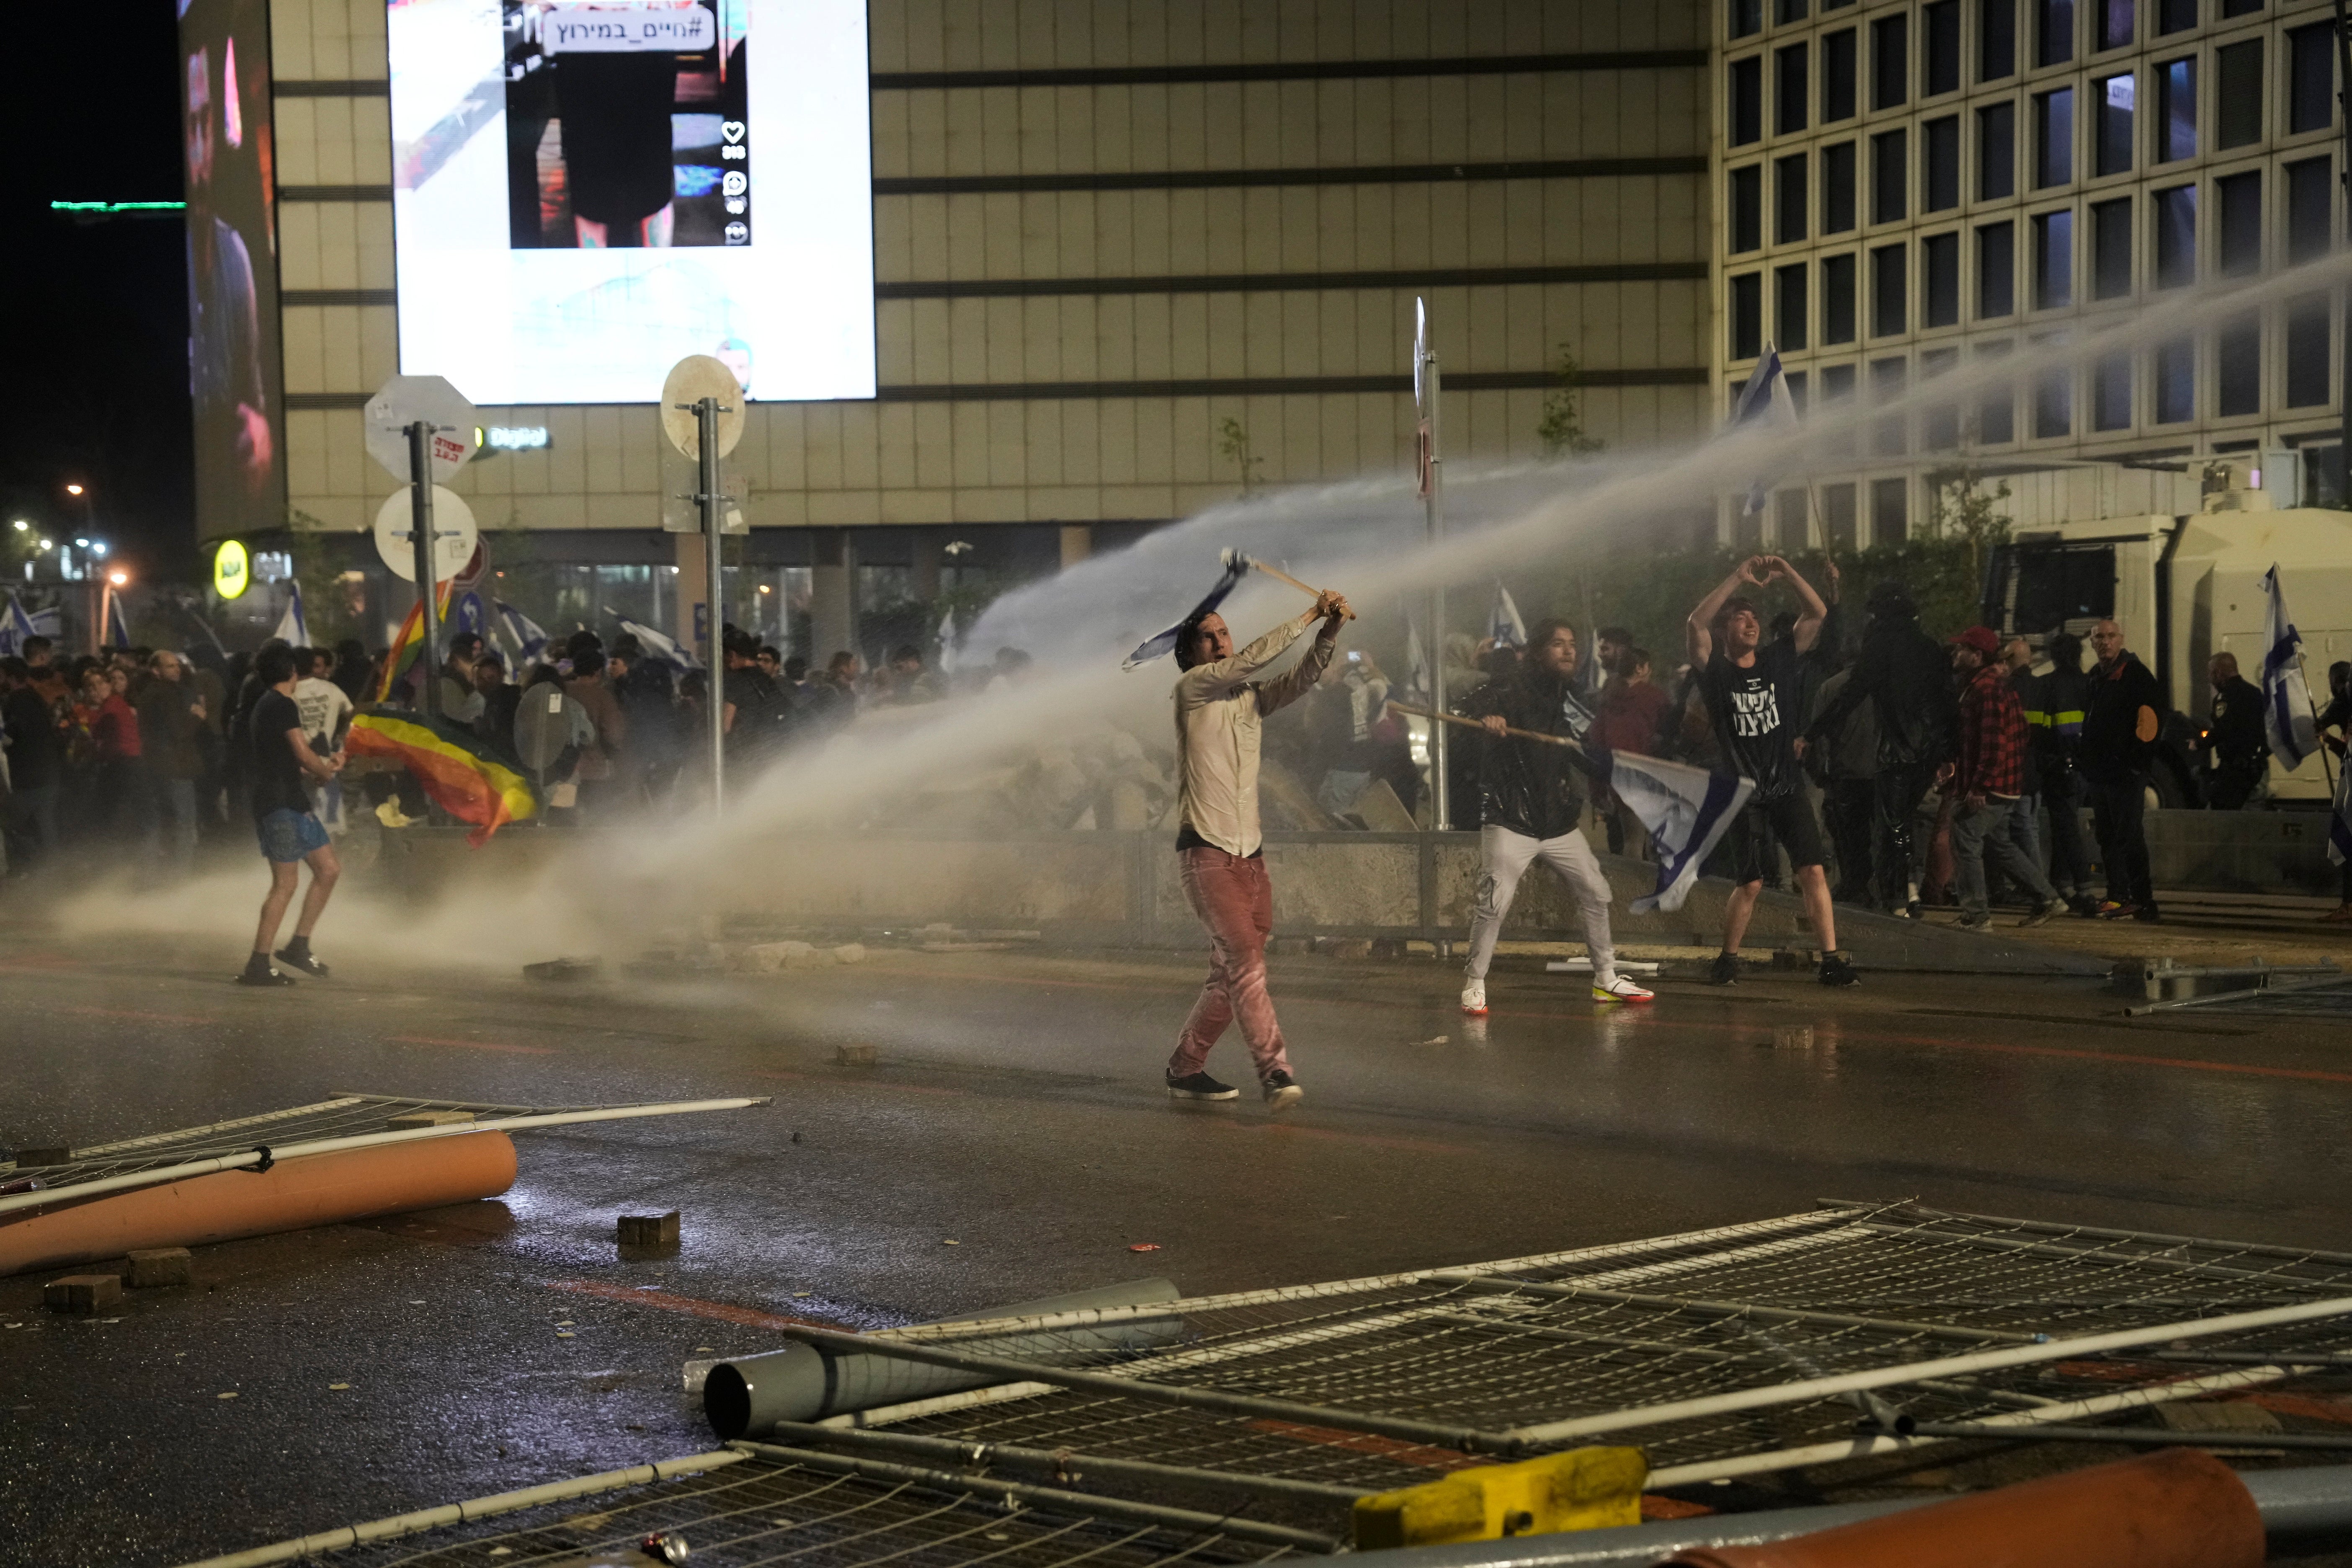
(82, 1293)
(849, 953)
(426, 1119)
(772, 957)
(160, 1266)
(854, 1056)
(648, 1229)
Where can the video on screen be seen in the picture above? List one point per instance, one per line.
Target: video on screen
(234, 377)
(627, 123)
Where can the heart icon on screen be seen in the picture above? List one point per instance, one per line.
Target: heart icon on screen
(733, 131)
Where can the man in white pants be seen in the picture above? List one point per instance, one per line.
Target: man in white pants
(1530, 799)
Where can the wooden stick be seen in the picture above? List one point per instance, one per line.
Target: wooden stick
(1281, 576)
(1481, 727)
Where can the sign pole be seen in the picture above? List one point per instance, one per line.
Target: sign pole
(420, 513)
(707, 412)
(1433, 504)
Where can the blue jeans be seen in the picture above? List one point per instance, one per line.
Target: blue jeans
(1993, 825)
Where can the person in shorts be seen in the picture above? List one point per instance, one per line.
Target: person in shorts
(1756, 694)
(278, 756)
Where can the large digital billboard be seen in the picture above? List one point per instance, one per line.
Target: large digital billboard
(234, 377)
(587, 191)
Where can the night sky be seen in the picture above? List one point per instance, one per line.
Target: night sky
(94, 335)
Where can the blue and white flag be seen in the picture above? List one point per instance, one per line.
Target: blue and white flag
(1162, 643)
(1687, 810)
(2286, 702)
(1764, 402)
(118, 631)
(15, 627)
(656, 645)
(520, 631)
(293, 630)
(1503, 622)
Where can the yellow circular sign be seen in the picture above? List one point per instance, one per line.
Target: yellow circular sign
(232, 570)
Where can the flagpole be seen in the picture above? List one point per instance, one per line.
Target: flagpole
(1425, 380)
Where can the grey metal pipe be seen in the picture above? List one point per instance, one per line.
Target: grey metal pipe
(749, 1395)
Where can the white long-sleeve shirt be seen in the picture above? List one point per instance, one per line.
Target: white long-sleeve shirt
(1219, 719)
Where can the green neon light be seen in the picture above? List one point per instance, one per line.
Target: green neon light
(118, 206)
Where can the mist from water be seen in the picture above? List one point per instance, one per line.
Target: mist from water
(1365, 537)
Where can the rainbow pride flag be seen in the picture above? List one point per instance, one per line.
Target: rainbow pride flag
(409, 645)
(452, 766)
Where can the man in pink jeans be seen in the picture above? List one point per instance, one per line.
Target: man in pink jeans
(1220, 715)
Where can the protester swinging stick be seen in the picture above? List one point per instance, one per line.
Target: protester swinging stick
(1232, 557)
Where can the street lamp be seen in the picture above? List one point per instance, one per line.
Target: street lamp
(119, 578)
(73, 489)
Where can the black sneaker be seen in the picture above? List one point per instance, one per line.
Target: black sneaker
(1199, 1086)
(257, 972)
(1282, 1091)
(2042, 912)
(1976, 923)
(1725, 970)
(2085, 907)
(1837, 969)
(2147, 913)
(301, 958)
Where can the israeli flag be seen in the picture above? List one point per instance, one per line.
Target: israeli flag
(118, 631)
(15, 627)
(655, 643)
(1162, 643)
(1764, 402)
(1503, 622)
(293, 630)
(1687, 810)
(2286, 701)
(524, 634)
(947, 641)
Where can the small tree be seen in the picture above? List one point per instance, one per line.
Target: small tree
(1959, 506)
(1233, 445)
(1561, 429)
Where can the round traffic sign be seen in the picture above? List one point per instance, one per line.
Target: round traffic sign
(453, 536)
(406, 400)
(690, 380)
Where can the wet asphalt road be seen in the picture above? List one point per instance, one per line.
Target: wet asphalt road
(1016, 1113)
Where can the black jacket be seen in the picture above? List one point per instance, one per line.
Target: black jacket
(1908, 681)
(1527, 786)
(2117, 742)
(2236, 739)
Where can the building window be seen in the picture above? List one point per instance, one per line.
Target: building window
(2114, 97)
(2241, 9)
(1837, 302)
(1890, 61)
(2310, 208)
(2307, 337)
(1889, 310)
(1789, 307)
(2175, 15)
(2240, 199)
(1747, 85)
(1939, 423)
(1788, 509)
(1890, 519)
(2054, 260)
(1996, 150)
(2238, 94)
(2054, 403)
(1996, 40)
(2238, 367)
(1837, 391)
(2115, 21)
(1889, 179)
(1997, 413)
(1837, 76)
(2054, 32)
(1837, 188)
(1788, 214)
(2111, 253)
(2111, 393)
(2176, 110)
(2053, 137)
(1996, 272)
(1939, 25)
(1747, 315)
(1939, 261)
(1837, 517)
(1746, 204)
(1747, 17)
(2176, 237)
(1939, 157)
(2311, 78)
(1795, 380)
(1787, 11)
(1789, 89)
(2176, 380)
(1887, 438)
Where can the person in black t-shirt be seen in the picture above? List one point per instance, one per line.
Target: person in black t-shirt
(277, 757)
(1756, 695)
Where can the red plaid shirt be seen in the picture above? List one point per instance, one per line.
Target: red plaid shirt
(1992, 736)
